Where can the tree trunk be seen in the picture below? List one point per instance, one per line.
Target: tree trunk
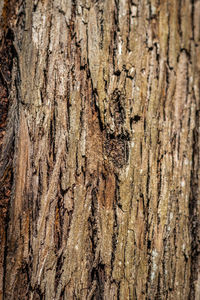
(100, 149)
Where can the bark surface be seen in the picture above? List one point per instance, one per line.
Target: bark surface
(99, 140)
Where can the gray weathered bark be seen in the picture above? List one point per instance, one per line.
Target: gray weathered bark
(100, 149)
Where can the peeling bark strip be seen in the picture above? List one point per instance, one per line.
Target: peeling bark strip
(99, 149)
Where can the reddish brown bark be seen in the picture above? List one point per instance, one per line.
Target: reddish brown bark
(99, 149)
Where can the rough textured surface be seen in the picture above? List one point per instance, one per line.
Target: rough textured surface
(100, 149)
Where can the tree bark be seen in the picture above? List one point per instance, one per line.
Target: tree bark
(100, 149)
